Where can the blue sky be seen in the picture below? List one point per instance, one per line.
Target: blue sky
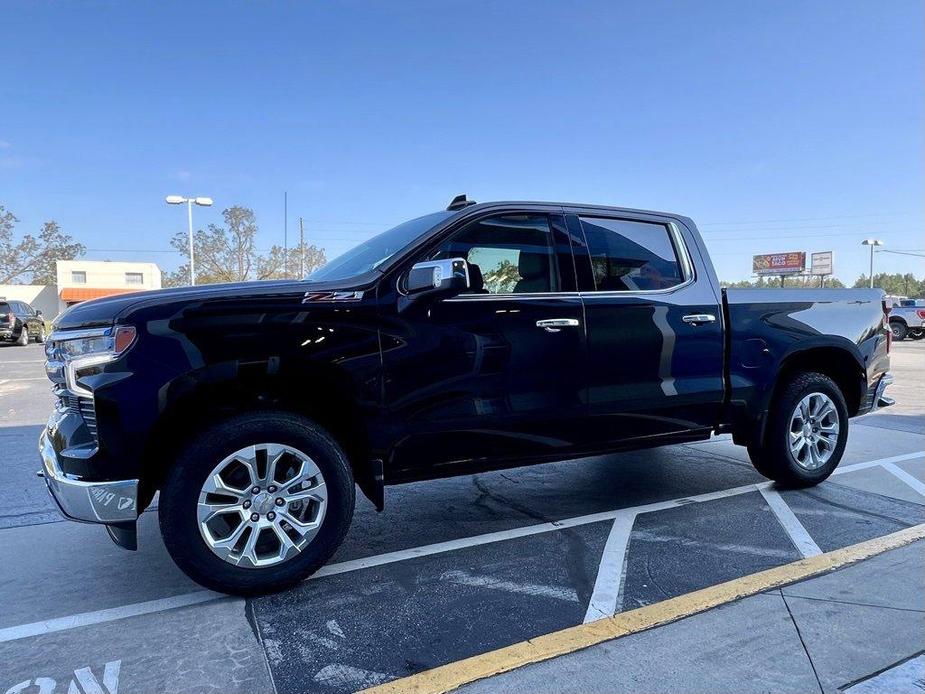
(777, 126)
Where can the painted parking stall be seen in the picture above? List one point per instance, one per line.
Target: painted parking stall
(454, 568)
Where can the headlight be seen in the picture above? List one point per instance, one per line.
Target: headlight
(77, 351)
(81, 343)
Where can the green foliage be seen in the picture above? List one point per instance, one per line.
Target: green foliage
(799, 282)
(501, 278)
(32, 259)
(229, 253)
(896, 283)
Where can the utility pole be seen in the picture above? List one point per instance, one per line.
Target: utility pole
(301, 250)
(285, 234)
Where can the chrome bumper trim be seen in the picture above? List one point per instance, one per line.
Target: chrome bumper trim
(92, 502)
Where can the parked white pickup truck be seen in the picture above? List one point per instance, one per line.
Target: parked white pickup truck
(907, 319)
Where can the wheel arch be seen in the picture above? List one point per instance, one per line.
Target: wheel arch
(839, 362)
(321, 393)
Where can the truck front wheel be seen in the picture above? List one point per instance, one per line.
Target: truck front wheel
(806, 432)
(257, 503)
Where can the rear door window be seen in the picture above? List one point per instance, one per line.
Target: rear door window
(631, 256)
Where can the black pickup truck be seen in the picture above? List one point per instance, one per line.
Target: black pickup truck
(483, 336)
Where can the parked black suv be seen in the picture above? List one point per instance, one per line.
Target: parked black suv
(482, 336)
(19, 322)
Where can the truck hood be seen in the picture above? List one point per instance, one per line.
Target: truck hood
(105, 311)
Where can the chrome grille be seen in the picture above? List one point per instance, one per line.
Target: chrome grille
(88, 412)
(84, 407)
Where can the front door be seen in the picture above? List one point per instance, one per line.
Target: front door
(655, 338)
(496, 373)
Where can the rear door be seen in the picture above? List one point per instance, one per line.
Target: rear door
(654, 331)
(22, 313)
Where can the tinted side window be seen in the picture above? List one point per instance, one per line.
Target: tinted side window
(509, 254)
(631, 256)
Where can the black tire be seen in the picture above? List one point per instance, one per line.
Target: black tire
(917, 334)
(180, 494)
(23, 338)
(773, 457)
(900, 331)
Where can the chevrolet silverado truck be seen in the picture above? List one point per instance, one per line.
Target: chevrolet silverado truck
(479, 337)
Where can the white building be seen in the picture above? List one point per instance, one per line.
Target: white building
(79, 280)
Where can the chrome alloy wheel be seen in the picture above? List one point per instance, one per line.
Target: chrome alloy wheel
(814, 430)
(262, 505)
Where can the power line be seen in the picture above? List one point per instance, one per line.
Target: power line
(815, 219)
(917, 255)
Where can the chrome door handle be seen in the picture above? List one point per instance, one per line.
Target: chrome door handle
(698, 318)
(554, 325)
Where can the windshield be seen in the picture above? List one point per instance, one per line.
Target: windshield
(370, 254)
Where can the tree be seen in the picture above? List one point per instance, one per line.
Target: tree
(896, 283)
(799, 281)
(502, 278)
(32, 258)
(230, 254)
(276, 264)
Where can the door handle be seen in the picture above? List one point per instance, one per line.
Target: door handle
(698, 318)
(554, 325)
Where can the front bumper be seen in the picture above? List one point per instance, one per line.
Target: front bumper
(92, 502)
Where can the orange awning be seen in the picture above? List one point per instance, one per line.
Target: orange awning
(74, 294)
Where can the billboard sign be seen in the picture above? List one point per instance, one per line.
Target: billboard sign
(779, 263)
(822, 263)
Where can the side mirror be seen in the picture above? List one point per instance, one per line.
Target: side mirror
(438, 278)
(38, 312)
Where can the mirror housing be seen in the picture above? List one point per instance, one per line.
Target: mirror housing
(38, 312)
(442, 278)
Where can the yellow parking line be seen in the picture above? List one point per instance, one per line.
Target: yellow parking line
(453, 675)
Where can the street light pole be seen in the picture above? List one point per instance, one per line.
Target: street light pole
(871, 243)
(192, 260)
(202, 202)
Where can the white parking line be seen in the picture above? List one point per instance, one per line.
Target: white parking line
(790, 523)
(466, 579)
(913, 482)
(151, 606)
(608, 585)
(108, 615)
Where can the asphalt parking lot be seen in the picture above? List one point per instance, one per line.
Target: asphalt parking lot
(452, 568)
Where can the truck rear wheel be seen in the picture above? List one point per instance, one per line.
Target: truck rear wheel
(257, 503)
(806, 432)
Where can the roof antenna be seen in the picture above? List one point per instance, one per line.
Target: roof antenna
(459, 202)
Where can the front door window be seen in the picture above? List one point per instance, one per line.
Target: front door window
(508, 254)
